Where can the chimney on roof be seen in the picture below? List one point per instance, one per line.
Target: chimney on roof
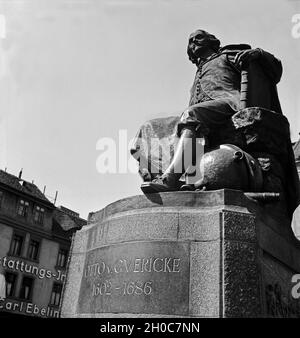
(20, 173)
(5, 169)
(55, 197)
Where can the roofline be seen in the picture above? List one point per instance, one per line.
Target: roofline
(28, 196)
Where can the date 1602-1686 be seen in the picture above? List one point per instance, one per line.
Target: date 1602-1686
(106, 288)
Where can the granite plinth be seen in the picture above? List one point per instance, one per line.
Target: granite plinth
(180, 254)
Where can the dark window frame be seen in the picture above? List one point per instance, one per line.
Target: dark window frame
(58, 260)
(37, 240)
(56, 291)
(14, 288)
(12, 250)
(1, 198)
(29, 298)
(40, 212)
(23, 208)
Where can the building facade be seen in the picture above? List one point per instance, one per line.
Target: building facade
(35, 240)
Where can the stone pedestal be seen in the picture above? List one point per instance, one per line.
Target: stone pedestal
(183, 254)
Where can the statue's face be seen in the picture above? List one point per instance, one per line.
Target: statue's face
(196, 47)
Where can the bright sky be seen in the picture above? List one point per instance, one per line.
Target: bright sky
(74, 72)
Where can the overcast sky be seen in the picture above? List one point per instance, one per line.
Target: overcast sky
(74, 72)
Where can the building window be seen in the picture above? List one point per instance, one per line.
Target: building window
(26, 288)
(33, 249)
(11, 281)
(23, 208)
(56, 294)
(38, 215)
(16, 245)
(62, 258)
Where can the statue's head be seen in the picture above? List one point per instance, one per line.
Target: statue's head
(200, 44)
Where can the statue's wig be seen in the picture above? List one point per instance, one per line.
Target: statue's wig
(205, 39)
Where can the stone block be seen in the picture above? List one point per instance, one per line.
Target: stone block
(182, 254)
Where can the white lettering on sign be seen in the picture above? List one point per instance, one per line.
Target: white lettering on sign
(27, 308)
(23, 266)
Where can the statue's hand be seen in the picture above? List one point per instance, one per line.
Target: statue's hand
(243, 58)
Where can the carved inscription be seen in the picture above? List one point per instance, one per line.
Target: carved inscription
(127, 288)
(136, 277)
(150, 264)
(97, 236)
(124, 266)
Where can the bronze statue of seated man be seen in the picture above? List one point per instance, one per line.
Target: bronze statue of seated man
(221, 113)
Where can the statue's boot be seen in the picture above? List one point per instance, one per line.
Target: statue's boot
(164, 183)
(169, 181)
